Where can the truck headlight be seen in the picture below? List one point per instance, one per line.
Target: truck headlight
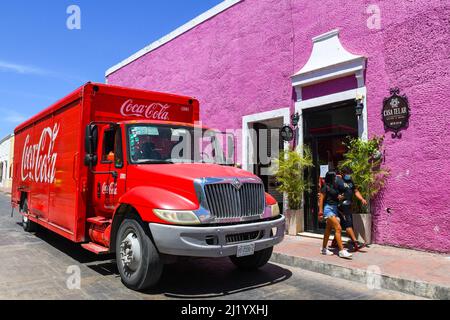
(177, 216)
(275, 210)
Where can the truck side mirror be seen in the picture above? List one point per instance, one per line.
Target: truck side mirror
(90, 145)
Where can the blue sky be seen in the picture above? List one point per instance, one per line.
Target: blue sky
(41, 60)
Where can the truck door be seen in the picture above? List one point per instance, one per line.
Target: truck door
(108, 187)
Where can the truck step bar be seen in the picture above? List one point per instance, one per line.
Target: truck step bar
(99, 220)
(95, 248)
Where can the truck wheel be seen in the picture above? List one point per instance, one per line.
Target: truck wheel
(253, 262)
(138, 261)
(27, 224)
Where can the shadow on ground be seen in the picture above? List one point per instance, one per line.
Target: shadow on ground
(73, 250)
(208, 278)
(186, 279)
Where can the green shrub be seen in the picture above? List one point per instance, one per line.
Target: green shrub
(364, 159)
(290, 175)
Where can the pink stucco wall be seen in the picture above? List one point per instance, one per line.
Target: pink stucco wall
(240, 63)
(329, 87)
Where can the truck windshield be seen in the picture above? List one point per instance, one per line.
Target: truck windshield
(175, 144)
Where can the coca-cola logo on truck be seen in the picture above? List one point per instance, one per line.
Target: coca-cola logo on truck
(39, 160)
(154, 111)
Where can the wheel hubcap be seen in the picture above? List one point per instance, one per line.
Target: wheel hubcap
(130, 253)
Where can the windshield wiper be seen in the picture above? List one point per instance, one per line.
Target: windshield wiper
(153, 161)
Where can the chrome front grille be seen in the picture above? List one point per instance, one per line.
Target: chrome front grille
(226, 201)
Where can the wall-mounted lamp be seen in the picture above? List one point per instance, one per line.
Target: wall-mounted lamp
(295, 119)
(359, 105)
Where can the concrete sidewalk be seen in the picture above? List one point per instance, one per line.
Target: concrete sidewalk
(414, 272)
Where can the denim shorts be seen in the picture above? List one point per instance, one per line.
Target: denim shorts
(330, 211)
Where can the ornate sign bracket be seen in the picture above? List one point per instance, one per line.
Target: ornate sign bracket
(395, 112)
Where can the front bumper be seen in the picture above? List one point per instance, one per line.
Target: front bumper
(192, 241)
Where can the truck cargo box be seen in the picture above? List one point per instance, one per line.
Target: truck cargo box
(49, 149)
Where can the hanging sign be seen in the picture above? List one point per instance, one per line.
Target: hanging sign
(287, 133)
(395, 112)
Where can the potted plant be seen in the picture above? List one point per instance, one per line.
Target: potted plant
(290, 177)
(364, 159)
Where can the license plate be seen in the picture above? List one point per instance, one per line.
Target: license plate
(245, 250)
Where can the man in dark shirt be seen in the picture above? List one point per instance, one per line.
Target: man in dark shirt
(348, 188)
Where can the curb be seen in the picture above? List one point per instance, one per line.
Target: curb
(371, 277)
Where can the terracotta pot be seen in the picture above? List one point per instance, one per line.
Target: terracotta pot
(294, 221)
(362, 225)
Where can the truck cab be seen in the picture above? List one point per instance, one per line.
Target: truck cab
(167, 190)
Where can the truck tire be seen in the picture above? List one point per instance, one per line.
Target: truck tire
(253, 262)
(138, 261)
(27, 224)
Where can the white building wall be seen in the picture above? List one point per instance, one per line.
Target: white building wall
(5, 163)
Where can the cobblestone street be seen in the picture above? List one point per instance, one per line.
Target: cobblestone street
(38, 266)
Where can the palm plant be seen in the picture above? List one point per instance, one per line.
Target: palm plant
(290, 174)
(364, 160)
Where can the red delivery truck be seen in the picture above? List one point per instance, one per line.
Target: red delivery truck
(125, 171)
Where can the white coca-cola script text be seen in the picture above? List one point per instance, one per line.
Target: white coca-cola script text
(154, 111)
(39, 160)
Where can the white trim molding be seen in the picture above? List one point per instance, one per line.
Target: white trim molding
(247, 149)
(330, 60)
(226, 4)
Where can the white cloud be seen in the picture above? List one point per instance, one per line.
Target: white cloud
(15, 118)
(6, 66)
(18, 93)
(12, 116)
(21, 69)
